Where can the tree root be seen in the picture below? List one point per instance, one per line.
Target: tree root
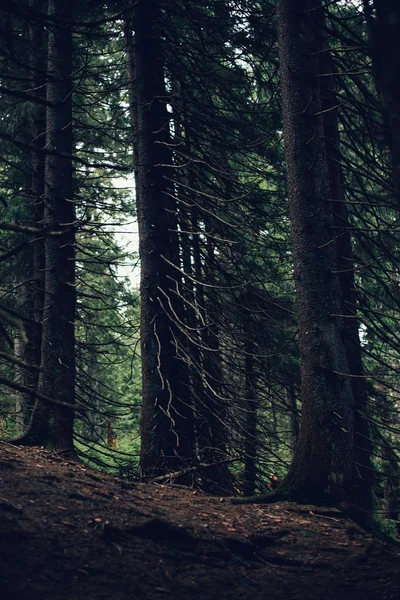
(287, 492)
(263, 498)
(28, 440)
(362, 518)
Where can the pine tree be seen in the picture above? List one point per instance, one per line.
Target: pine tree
(322, 462)
(52, 422)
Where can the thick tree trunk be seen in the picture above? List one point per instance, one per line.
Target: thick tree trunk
(52, 424)
(323, 458)
(361, 493)
(167, 417)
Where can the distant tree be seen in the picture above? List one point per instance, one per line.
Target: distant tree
(23, 121)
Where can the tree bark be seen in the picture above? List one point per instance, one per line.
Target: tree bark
(361, 491)
(384, 32)
(52, 425)
(38, 135)
(322, 464)
(167, 418)
(34, 290)
(29, 274)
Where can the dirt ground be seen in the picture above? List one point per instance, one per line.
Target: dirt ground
(68, 532)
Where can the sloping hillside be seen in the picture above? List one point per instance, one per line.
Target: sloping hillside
(68, 532)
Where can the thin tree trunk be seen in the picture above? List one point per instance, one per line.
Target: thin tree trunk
(94, 426)
(250, 440)
(212, 435)
(206, 373)
(36, 208)
(323, 458)
(22, 400)
(391, 488)
(384, 31)
(293, 417)
(31, 279)
(131, 76)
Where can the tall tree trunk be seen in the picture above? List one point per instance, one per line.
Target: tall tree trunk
(213, 431)
(52, 424)
(362, 467)
(323, 458)
(31, 279)
(205, 353)
(131, 80)
(38, 134)
(384, 31)
(37, 119)
(166, 424)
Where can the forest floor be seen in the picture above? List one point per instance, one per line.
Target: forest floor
(68, 532)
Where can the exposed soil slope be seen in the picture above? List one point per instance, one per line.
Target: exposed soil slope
(68, 532)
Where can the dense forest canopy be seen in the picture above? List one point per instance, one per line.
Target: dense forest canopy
(255, 147)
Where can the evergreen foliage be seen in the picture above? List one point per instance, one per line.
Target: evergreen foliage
(184, 103)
